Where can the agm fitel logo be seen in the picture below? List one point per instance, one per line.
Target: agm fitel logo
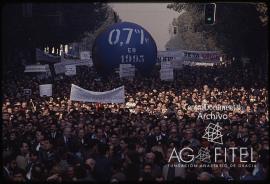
(213, 133)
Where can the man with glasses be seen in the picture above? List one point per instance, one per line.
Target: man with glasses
(174, 137)
(188, 136)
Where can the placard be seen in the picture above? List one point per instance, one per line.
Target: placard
(45, 90)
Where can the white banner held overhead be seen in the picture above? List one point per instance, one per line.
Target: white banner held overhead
(36, 68)
(204, 64)
(70, 70)
(166, 71)
(113, 96)
(45, 90)
(211, 56)
(166, 65)
(166, 74)
(27, 92)
(175, 57)
(126, 70)
(169, 55)
(187, 55)
(85, 55)
(42, 71)
(192, 63)
(165, 56)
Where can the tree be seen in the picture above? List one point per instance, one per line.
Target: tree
(50, 24)
(262, 9)
(88, 38)
(66, 22)
(240, 29)
(190, 34)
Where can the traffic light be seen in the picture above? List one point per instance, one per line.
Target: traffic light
(209, 13)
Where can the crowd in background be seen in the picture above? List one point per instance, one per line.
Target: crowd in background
(55, 139)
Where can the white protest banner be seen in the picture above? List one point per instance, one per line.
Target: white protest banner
(85, 55)
(166, 65)
(163, 56)
(126, 70)
(187, 55)
(209, 56)
(203, 64)
(45, 90)
(193, 63)
(166, 71)
(70, 70)
(175, 53)
(166, 74)
(113, 96)
(36, 68)
(27, 92)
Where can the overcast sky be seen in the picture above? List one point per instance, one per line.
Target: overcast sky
(154, 17)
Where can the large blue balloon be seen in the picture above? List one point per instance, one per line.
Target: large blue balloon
(124, 43)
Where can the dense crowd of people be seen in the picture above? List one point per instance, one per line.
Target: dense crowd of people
(55, 139)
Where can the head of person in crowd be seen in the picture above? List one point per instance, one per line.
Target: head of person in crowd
(147, 173)
(90, 164)
(19, 175)
(39, 135)
(33, 156)
(204, 176)
(124, 143)
(149, 158)
(38, 172)
(67, 132)
(46, 144)
(24, 148)
(114, 139)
